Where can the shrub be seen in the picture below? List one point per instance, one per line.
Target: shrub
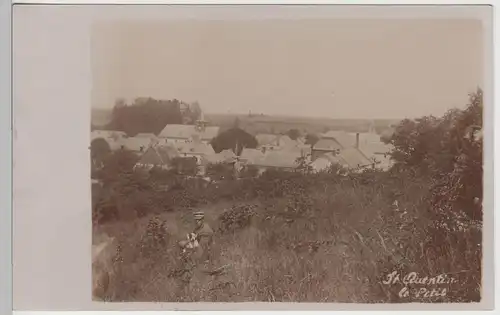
(236, 218)
(155, 237)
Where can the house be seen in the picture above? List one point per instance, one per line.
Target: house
(324, 146)
(345, 139)
(249, 156)
(299, 148)
(323, 162)
(152, 136)
(107, 134)
(138, 145)
(372, 147)
(332, 142)
(184, 133)
(274, 142)
(282, 160)
(197, 149)
(352, 158)
(158, 156)
(225, 156)
(113, 138)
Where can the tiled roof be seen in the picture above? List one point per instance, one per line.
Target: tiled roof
(375, 148)
(188, 132)
(107, 134)
(159, 155)
(354, 158)
(343, 138)
(198, 148)
(278, 159)
(274, 140)
(146, 135)
(250, 155)
(327, 144)
(266, 139)
(350, 157)
(321, 163)
(221, 157)
(136, 143)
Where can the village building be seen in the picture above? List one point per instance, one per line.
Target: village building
(108, 135)
(351, 158)
(158, 156)
(138, 145)
(274, 142)
(277, 160)
(173, 133)
(249, 156)
(225, 156)
(113, 138)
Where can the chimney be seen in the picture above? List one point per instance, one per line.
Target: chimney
(357, 140)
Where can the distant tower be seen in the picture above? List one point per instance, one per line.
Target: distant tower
(201, 123)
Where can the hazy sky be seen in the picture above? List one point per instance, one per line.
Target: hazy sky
(326, 68)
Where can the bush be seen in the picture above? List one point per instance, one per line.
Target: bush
(236, 218)
(155, 237)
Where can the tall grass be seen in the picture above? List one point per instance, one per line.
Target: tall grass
(309, 238)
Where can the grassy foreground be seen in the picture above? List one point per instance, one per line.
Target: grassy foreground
(292, 238)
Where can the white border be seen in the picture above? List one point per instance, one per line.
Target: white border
(330, 2)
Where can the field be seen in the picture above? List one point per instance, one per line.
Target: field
(274, 124)
(289, 238)
(281, 124)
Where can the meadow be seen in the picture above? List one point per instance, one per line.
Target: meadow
(288, 237)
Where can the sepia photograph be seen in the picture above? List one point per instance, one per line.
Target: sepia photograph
(319, 160)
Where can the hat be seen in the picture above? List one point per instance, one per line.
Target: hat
(199, 215)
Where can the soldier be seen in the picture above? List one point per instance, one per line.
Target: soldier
(204, 236)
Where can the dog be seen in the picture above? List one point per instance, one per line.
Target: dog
(191, 242)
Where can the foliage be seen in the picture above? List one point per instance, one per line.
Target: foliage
(304, 165)
(236, 218)
(155, 237)
(145, 115)
(234, 139)
(219, 171)
(185, 165)
(445, 150)
(249, 171)
(116, 163)
(192, 113)
(294, 134)
(99, 151)
(311, 139)
(317, 238)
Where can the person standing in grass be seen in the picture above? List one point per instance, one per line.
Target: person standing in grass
(204, 236)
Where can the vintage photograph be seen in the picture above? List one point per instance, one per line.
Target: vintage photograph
(287, 160)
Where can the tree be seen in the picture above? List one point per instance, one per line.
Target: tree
(311, 139)
(192, 112)
(234, 139)
(118, 163)
(99, 150)
(185, 165)
(444, 150)
(294, 134)
(145, 115)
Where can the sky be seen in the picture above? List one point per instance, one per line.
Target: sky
(337, 68)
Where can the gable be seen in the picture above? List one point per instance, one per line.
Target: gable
(151, 157)
(327, 145)
(188, 132)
